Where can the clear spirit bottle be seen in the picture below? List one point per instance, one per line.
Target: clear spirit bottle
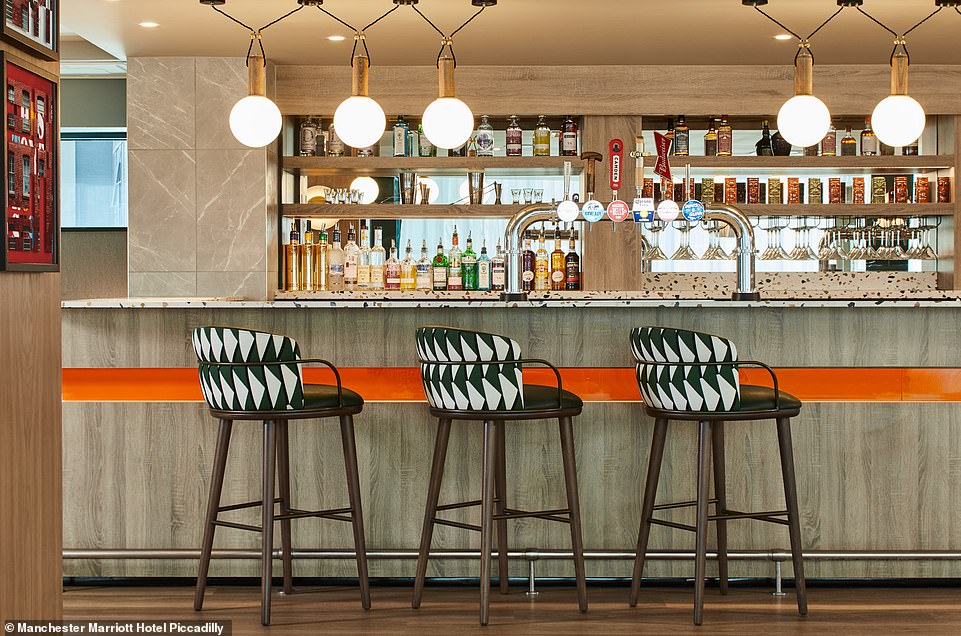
(336, 260)
(483, 269)
(498, 270)
(423, 282)
(392, 269)
(426, 148)
(351, 259)
(485, 138)
(408, 271)
(378, 258)
(401, 146)
(455, 281)
(308, 137)
(363, 261)
(322, 271)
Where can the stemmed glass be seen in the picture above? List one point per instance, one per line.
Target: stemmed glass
(684, 252)
(714, 251)
(775, 250)
(654, 253)
(802, 245)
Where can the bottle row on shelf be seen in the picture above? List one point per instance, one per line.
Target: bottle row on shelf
(315, 140)
(315, 264)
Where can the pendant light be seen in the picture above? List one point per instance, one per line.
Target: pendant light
(448, 122)
(898, 120)
(803, 120)
(359, 120)
(255, 120)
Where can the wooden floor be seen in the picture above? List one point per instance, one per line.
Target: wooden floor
(847, 611)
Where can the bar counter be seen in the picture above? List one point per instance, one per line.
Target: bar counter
(877, 445)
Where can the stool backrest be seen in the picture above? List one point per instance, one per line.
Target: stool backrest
(243, 370)
(470, 371)
(696, 385)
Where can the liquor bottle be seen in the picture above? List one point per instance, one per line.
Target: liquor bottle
(455, 279)
(292, 259)
(682, 138)
(710, 140)
(529, 264)
(392, 269)
(542, 266)
(515, 138)
(413, 143)
(484, 269)
(572, 265)
(811, 151)
(423, 281)
(485, 138)
(569, 137)
(322, 266)
(558, 274)
(425, 148)
(439, 268)
(363, 261)
(459, 152)
(372, 150)
(335, 145)
(869, 141)
(351, 259)
(885, 150)
(378, 257)
(829, 145)
(468, 266)
(472, 146)
(542, 138)
(670, 134)
(763, 146)
(335, 260)
(498, 270)
(308, 261)
(401, 148)
(849, 145)
(408, 271)
(725, 138)
(308, 137)
(911, 150)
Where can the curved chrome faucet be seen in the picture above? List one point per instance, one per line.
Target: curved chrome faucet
(738, 221)
(516, 226)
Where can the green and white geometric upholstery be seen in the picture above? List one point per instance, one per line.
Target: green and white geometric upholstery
(470, 387)
(701, 386)
(271, 386)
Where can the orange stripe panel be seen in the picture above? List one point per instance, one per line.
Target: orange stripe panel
(605, 384)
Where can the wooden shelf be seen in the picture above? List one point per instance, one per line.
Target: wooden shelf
(759, 166)
(396, 211)
(850, 209)
(390, 166)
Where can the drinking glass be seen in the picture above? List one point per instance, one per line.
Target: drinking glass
(654, 253)
(684, 252)
(529, 195)
(517, 196)
(714, 251)
(538, 196)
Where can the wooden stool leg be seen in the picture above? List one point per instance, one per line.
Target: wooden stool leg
(213, 504)
(720, 493)
(793, 514)
(500, 503)
(700, 525)
(573, 504)
(283, 477)
(430, 510)
(487, 521)
(267, 520)
(356, 510)
(647, 509)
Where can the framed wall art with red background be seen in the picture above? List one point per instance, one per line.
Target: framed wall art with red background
(31, 224)
(33, 25)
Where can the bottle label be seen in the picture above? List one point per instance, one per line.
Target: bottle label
(528, 276)
(400, 141)
(725, 141)
(682, 145)
(350, 268)
(483, 275)
(335, 144)
(308, 140)
(454, 278)
(363, 275)
(542, 145)
(557, 276)
(569, 142)
(485, 142)
(514, 142)
(498, 276)
(440, 275)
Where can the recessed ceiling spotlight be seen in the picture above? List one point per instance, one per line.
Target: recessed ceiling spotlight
(149, 25)
(336, 38)
(783, 37)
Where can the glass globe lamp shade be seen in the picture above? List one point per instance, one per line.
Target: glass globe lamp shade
(448, 122)
(255, 121)
(369, 190)
(898, 120)
(360, 121)
(803, 120)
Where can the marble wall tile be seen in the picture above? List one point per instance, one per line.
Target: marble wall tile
(162, 217)
(231, 210)
(161, 103)
(245, 285)
(221, 83)
(162, 284)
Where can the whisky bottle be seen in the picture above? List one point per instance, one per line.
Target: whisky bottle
(515, 138)
(392, 269)
(468, 266)
(869, 141)
(884, 149)
(378, 257)
(725, 138)
(336, 260)
(682, 138)
(558, 267)
(572, 265)
(498, 269)
(439, 268)
(483, 269)
(308, 137)
(542, 138)
(292, 259)
(423, 282)
(485, 138)
(351, 259)
(764, 147)
(321, 247)
(335, 145)
(911, 150)
(363, 261)
(529, 264)
(670, 134)
(849, 145)
(401, 146)
(425, 147)
(710, 140)
(569, 137)
(542, 266)
(455, 280)
(308, 261)
(408, 271)
(829, 145)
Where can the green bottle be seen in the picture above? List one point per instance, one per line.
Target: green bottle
(484, 265)
(439, 269)
(468, 266)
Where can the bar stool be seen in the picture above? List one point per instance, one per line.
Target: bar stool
(478, 376)
(691, 376)
(250, 375)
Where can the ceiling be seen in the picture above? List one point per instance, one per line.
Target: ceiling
(521, 32)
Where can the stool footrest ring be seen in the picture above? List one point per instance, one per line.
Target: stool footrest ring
(337, 514)
(242, 506)
(237, 526)
(681, 504)
(759, 516)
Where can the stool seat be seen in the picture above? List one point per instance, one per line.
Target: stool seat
(545, 398)
(324, 396)
(762, 398)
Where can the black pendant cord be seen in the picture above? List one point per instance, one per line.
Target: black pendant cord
(255, 33)
(359, 34)
(805, 43)
(447, 41)
(899, 39)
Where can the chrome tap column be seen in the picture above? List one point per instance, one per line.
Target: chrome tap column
(741, 225)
